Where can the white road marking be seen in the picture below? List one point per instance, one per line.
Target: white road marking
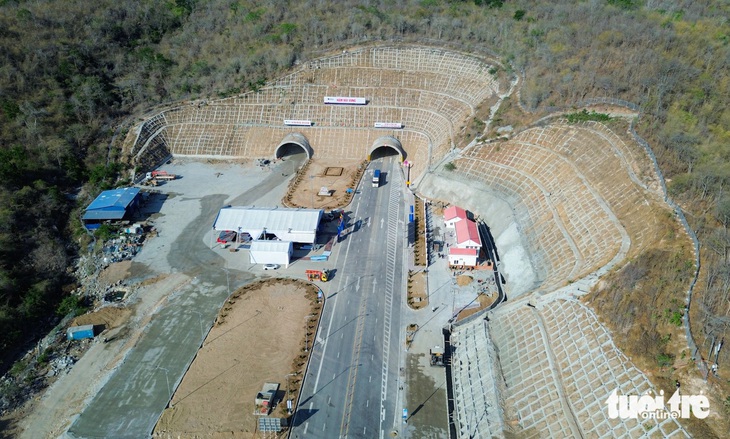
(306, 426)
(324, 345)
(367, 403)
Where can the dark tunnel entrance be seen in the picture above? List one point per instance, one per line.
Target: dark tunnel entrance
(386, 146)
(293, 144)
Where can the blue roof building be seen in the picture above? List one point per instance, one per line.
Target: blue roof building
(111, 205)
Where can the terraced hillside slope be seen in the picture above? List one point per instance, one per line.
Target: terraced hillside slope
(431, 92)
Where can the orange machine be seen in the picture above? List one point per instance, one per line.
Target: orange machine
(320, 275)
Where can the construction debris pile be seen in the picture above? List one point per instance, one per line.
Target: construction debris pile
(126, 245)
(40, 369)
(61, 364)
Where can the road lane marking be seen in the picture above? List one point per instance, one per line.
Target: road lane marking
(394, 204)
(306, 426)
(326, 338)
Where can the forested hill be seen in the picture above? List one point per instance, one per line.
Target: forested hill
(72, 72)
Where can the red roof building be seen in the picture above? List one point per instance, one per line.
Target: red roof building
(467, 235)
(452, 215)
(462, 251)
(463, 256)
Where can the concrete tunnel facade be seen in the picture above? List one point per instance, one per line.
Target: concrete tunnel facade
(388, 142)
(294, 139)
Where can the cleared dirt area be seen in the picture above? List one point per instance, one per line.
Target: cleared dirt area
(482, 301)
(109, 317)
(464, 280)
(258, 337)
(417, 295)
(335, 175)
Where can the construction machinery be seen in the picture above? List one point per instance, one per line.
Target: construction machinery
(437, 356)
(320, 275)
(160, 175)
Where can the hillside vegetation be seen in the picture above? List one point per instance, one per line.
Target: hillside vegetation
(75, 74)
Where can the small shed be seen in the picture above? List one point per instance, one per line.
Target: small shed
(80, 332)
(463, 256)
(271, 252)
(265, 399)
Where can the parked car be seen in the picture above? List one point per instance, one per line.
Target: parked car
(271, 266)
(226, 236)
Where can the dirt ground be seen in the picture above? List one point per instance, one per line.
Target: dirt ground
(323, 172)
(464, 280)
(417, 297)
(483, 301)
(109, 317)
(115, 272)
(238, 357)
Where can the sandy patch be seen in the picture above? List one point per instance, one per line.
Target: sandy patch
(482, 302)
(464, 280)
(115, 272)
(336, 175)
(108, 317)
(417, 296)
(258, 337)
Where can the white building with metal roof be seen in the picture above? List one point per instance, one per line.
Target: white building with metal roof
(271, 223)
(271, 252)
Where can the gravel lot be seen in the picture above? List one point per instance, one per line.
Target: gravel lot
(168, 267)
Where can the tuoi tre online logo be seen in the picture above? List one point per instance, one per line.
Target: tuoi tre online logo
(647, 406)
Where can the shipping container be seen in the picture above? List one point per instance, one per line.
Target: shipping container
(80, 332)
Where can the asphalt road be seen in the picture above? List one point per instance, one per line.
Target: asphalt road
(352, 385)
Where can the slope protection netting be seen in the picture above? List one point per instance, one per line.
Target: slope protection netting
(431, 92)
